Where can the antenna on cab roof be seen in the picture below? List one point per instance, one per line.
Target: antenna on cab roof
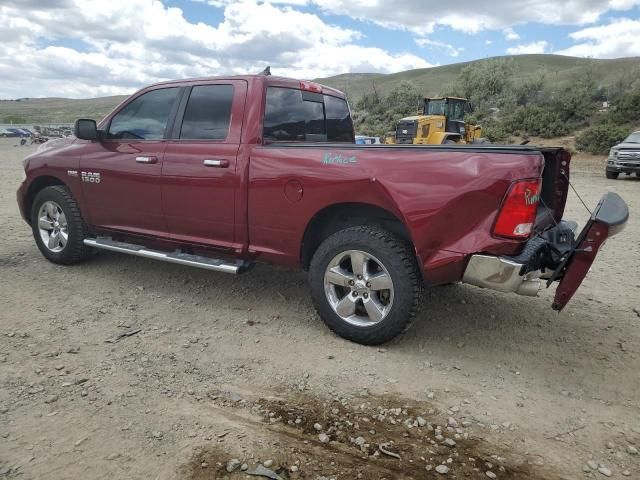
(267, 71)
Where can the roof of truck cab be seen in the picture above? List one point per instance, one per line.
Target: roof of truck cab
(443, 98)
(270, 79)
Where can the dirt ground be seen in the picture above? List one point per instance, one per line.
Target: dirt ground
(228, 368)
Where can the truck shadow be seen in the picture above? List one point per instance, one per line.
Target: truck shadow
(453, 313)
(460, 327)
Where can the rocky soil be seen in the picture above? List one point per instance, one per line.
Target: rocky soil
(236, 377)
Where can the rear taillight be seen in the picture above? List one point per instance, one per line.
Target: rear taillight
(519, 209)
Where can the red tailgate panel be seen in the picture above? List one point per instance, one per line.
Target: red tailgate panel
(608, 219)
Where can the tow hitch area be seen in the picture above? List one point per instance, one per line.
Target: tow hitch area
(523, 273)
(608, 219)
(553, 255)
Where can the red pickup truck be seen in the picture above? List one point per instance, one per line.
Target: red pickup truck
(220, 173)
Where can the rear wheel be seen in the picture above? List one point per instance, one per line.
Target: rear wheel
(612, 175)
(57, 225)
(365, 284)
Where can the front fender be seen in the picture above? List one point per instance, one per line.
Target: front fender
(54, 163)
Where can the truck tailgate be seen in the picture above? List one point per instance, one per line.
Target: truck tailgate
(608, 219)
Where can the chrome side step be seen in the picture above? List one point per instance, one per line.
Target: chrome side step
(178, 257)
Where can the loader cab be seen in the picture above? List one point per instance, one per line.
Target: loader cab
(452, 108)
(440, 121)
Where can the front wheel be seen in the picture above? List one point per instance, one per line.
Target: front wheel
(365, 284)
(612, 175)
(57, 225)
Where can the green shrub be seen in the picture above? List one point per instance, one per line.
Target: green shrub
(537, 121)
(494, 131)
(487, 82)
(577, 102)
(600, 138)
(627, 108)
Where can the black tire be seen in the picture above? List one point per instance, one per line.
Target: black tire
(397, 257)
(612, 175)
(74, 251)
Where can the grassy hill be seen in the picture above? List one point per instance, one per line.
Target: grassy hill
(430, 81)
(57, 110)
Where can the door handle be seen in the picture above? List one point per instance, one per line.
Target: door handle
(145, 159)
(216, 163)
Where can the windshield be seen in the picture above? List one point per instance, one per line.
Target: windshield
(456, 110)
(450, 108)
(435, 107)
(633, 138)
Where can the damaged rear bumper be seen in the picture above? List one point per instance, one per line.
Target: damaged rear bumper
(555, 255)
(501, 274)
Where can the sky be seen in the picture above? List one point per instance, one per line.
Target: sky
(91, 48)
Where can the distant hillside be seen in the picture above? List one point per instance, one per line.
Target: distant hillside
(433, 81)
(430, 81)
(56, 110)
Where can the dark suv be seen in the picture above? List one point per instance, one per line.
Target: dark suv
(625, 157)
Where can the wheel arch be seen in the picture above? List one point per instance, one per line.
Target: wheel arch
(453, 137)
(338, 216)
(36, 185)
(440, 138)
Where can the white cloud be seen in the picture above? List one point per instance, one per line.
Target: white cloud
(510, 34)
(488, 42)
(450, 49)
(534, 47)
(71, 48)
(620, 38)
(422, 16)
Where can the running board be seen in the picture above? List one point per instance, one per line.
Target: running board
(178, 257)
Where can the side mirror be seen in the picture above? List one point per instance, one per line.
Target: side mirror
(86, 129)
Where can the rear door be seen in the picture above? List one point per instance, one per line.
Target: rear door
(199, 177)
(121, 174)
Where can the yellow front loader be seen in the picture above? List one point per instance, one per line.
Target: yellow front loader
(441, 122)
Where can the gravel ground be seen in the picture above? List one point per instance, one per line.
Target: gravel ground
(232, 373)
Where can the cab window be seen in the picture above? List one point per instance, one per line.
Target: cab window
(208, 113)
(292, 115)
(456, 110)
(145, 117)
(338, 120)
(435, 107)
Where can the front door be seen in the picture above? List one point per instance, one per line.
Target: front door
(122, 173)
(199, 177)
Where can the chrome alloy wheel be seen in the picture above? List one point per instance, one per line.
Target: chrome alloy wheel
(359, 288)
(52, 225)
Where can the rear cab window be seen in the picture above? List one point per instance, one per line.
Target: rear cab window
(293, 115)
